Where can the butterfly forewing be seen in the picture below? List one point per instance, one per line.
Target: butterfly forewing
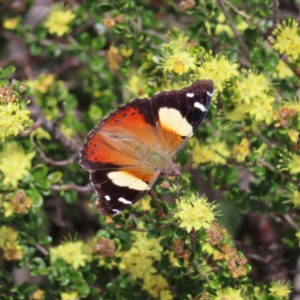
(179, 113)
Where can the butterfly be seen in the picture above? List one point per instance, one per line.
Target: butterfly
(128, 150)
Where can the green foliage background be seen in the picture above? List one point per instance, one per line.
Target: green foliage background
(247, 161)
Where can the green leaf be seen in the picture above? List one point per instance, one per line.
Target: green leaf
(7, 71)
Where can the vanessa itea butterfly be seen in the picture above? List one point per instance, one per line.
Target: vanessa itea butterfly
(128, 150)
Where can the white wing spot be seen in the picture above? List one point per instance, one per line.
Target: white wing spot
(190, 95)
(200, 106)
(171, 119)
(116, 211)
(123, 178)
(107, 197)
(124, 201)
(209, 94)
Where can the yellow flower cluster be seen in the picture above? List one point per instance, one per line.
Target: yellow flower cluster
(194, 213)
(72, 252)
(11, 23)
(290, 162)
(9, 244)
(14, 163)
(138, 262)
(69, 296)
(219, 69)
(215, 151)
(18, 204)
(281, 288)
(287, 39)
(42, 84)
(59, 19)
(13, 118)
(229, 294)
(242, 150)
(176, 56)
(252, 92)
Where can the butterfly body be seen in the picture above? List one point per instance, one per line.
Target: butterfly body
(128, 150)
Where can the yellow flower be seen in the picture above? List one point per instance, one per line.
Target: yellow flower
(37, 295)
(293, 195)
(287, 39)
(71, 252)
(138, 86)
(13, 251)
(242, 150)
(13, 119)
(139, 260)
(229, 294)
(14, 163)
(298, 235)
(114, 58)
(19, 204)
(251, 86)
(290, 162)
(58, 19)
(7, 235)
(11, 24)
(154, 284)
(69, 296)
(43, 83)
(215, 151)
(281, 288)
(283, 70)
(293, 135)
(179, 62)
(194, 213)
(210, 69)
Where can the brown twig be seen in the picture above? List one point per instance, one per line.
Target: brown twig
(51, 161)
(71, 186)
(154, 198)
(233, 28)
(37, 114)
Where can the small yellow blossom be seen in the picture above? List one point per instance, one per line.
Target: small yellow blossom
(43, 83)
(290, 162)
(19, 204)
(7, 235)
(179, 63)
(71, 252)
(283, 70)
(11, 24)
(13, 119)
(213, 151)
(13, 251)
(251, 86)
(69, 296)
(14, 163)
(139, 260)
(154, 284)
(194, 213)
(293, 135)
(59, 19)
(138, 86)
(298, 236)
(287, 39)
(281, 288)
(242, 150)
(293, 195)
(114, 58)
(229, 294)
(210, 69)
(37, 295)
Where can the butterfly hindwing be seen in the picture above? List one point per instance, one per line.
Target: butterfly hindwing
(119, 189)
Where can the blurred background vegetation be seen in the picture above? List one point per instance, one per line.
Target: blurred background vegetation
(65, 65)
